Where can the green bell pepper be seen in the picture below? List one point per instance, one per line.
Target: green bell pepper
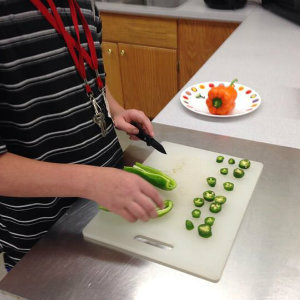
(238, 173)
(245, 164)
(209, 221)
(189, 225)
(204, 230)
(168, 205)
(220, 199)
(224, 171)
(231, 161)
(102, 208)
(219, 159)
(215, 207)
(209, 195)
(211, 181)
(228, 186)
(198, 202)
(153, 176)
(196, 213)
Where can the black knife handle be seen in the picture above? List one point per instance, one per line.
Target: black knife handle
(142, 134)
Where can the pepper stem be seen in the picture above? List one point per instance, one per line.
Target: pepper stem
(233, 82)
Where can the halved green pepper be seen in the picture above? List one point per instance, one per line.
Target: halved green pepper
(209, 221)
(209, 195)
(153, 176)
(228, 186)
(231, 161)
(204, 230)
(219, 159)
(220, 199)
(196, 213)
(211, 181)
(215, 207)
(198, 202)
(238, 173)
(168, 205)
(224, 171)
(189, 225)
(245, 164)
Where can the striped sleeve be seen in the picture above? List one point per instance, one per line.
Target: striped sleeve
(3, 148)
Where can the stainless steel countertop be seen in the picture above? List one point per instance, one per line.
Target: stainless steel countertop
(264, 262)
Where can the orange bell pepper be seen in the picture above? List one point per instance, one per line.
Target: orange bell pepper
(221, 99)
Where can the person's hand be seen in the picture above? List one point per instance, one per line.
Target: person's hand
(124, 193)
(124, 119)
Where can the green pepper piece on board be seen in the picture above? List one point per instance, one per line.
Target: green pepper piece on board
(231, 161)
(204, 230)
(220, 199)
(209, 195)
(245, 164)
(168, 205)
(219, 159)
(224, 171)
(153, 176)
(238, 173)
(228, 186)
(209, 221)
(211, 181)
(198, 202)
(215, 207)
(196, 213)
(189, 225)
(102, 208)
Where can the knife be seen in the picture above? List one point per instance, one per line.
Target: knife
(148, 139)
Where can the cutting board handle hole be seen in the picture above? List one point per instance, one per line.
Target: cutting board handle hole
(153, 242)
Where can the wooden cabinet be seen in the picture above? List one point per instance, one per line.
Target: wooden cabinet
(140, 59)
(147, 60)
(197, 41)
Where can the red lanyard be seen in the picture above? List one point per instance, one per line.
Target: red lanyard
(55, 20)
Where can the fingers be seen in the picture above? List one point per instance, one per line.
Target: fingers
(152, 193)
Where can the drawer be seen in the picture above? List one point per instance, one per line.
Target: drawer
(139, 30)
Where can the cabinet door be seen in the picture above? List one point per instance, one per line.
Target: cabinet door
(197, 41)
(149, 77)
(112, 68)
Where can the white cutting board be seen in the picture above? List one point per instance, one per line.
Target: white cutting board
(188, 251)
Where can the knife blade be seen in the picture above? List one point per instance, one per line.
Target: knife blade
(150, 141)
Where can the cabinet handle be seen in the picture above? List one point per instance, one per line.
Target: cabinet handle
(122, 52)
(109, 51)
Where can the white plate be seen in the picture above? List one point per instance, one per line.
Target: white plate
(194, 99)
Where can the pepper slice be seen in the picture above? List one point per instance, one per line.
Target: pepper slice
(231, 161)
(224, 171)
(196, 213)
(209, 195)
(211, 181)
(102, 208)
(189, 225)
(238, 173)
(209, 221)
(219, 159)
(153, 176)
(198, 202)
(220, 199)
(228, 186)
(168, 205)
(204, 230)
(215, 207)
(245, 164)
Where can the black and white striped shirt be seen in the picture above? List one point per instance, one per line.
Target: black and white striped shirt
(45, 113)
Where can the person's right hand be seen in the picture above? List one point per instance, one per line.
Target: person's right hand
(123, 193)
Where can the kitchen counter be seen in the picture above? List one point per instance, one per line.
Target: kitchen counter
(263, 263)
(264, 54)
(191, 9)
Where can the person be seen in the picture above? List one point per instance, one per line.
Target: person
(57, 128)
